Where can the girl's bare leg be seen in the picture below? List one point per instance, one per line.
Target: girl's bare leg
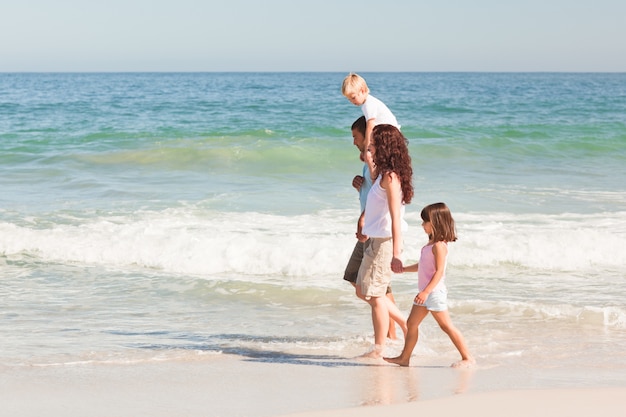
(415, 319)
(443, 319)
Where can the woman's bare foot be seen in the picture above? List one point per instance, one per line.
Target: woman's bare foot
(398, 360)
(465, 363)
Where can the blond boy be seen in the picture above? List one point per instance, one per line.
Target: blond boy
(375, 111)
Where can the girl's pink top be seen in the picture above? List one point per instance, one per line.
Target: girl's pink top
(426, 270)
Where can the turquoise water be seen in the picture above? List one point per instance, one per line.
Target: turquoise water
(521, 142)
(152, 216)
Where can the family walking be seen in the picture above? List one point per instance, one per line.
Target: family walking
(385, 188)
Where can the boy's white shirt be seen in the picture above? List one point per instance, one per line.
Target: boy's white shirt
(375, 109)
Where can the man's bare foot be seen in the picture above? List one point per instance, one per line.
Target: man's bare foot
(372, 354)
(465, 363)
(398, 360)
(375, 353)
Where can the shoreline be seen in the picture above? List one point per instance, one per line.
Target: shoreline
(300, 385)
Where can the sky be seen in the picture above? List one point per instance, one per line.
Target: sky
(312, 35)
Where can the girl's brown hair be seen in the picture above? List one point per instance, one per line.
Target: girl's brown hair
(439, 216)
(392, 155)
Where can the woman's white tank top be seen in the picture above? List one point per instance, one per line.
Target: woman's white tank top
(377, 222)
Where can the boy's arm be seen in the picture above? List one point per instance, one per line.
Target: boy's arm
(371, 166)
(369, 127)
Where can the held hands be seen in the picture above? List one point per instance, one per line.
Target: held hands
(396, 265)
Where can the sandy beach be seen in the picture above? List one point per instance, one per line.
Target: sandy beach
(301, 386)
(608, 402)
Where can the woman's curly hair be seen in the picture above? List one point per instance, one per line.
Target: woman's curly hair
(392, 155)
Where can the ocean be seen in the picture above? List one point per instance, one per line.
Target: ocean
(159, 217)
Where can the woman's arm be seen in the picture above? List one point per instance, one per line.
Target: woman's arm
(393, 187)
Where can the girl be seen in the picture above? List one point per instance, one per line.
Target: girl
(390, 163)
(431, 271)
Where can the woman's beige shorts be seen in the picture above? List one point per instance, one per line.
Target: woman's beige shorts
(375, 271)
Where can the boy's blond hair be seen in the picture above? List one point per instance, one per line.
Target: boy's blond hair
(353, 83)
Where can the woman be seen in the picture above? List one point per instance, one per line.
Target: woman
(390, 164)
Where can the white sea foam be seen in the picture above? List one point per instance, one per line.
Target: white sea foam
(191, 241)
(555, 242)
(181, 241)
